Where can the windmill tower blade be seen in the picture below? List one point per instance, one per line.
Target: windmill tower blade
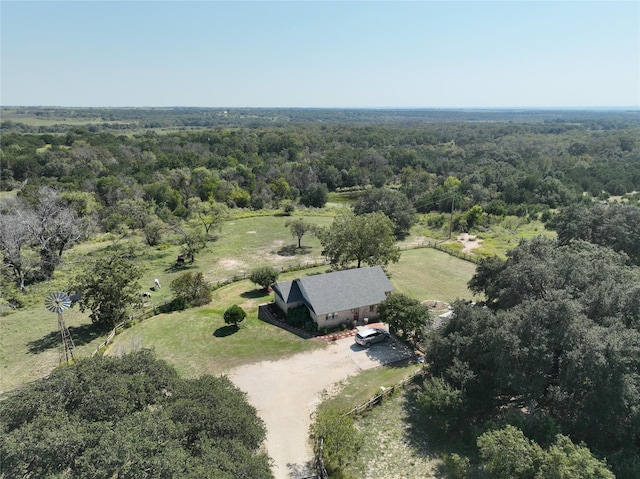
(56, 303)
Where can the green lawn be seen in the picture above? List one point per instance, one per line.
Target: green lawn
(197, 341)
(29, 341)
(426, 273)
(357, 390)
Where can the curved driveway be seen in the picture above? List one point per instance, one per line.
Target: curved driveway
(286, 392)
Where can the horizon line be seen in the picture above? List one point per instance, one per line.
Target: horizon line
(584, 107)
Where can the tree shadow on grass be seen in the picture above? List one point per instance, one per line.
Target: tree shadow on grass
(255, 293)
(427, 437)
(179, 267)
(225, 331)
(81, 335)
(292, 250)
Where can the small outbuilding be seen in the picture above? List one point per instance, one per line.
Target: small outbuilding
(337, 297)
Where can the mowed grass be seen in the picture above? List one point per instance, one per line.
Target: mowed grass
(30, 343)
(426, 273)
(358, 390)
(29, 339)
(197, 341)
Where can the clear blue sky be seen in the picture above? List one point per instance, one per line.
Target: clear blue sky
(321, 54)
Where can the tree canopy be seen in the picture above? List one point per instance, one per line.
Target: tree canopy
(559, 339)
(405, 316)
(133, 416)
(264, 276)
(392, 203)
(234, 314)
(366, 238)
(109, 287)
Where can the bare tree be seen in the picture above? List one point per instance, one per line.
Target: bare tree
(17, 255)
(53, 227)
(33, 238)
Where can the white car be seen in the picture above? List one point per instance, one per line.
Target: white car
(366, 337)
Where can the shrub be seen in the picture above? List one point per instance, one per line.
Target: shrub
(190, 290)
(341, 441)
(264, 276)
(234, 315)
(297, 316)
(289, 208)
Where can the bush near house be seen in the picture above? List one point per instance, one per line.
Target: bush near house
(298, 316)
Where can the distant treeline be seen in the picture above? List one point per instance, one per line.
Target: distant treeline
(61, 119)
(503, 166)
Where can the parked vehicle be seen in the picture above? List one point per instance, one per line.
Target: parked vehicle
(368, 336)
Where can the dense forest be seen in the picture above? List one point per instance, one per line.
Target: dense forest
(553, 350)
(503, 166)
(130, 417)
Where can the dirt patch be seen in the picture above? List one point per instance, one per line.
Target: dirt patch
(435, 306)
(418, 241)
(469, 242)
(230, 264)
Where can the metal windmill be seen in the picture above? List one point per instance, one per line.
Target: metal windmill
(56, 303)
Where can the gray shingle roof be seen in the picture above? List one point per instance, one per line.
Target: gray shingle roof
(339, 290)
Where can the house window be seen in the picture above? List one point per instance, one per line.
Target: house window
(372, 308)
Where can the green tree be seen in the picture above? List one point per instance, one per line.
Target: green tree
(366, 238)
(210, 214)
(316, 195)
(191, 289)
(193, 239)
(153, 230)
(405, 316)
(335, 434)
(566, 460)
(109, 287)
(441, 403)
(132, 416)
(392, 203)
(508, 454)
(234, 315)
(298, 228)
(264, 276)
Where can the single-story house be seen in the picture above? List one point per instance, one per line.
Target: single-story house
(337, 297)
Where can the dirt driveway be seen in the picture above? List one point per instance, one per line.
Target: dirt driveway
(286, 392)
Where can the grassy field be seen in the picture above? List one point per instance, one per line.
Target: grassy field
(197, 341)
(29, 344)
(426, 273)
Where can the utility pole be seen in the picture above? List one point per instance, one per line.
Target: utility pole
(453, 200)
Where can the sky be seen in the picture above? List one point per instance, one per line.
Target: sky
(320, 54)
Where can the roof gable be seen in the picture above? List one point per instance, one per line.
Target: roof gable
(289, 291)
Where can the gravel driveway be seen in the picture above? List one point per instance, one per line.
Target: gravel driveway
(286, 392)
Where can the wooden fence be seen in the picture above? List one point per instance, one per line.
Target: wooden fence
(318, 462)
(112, 334)
(378, 398)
